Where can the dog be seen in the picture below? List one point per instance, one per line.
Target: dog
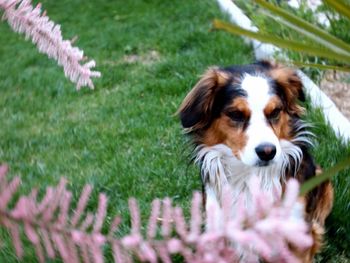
(246, 120)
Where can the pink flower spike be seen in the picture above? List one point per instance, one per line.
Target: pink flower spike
(167, 218)
(84, 197)
(148, 252)
(152, 223)
(117, 252)
(77, 236)
(174, 246)
(47, 243)
(47, 36)
(3, 172)
(6, 194)
(131, 241)
(239, 236)
(115, 224)
(291, 193)
(135, 216)
(180, 223)
(101, 212)
(214, 218)
(16, 239)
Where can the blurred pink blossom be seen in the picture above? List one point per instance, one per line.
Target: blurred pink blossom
(266, 231)
(24, 18)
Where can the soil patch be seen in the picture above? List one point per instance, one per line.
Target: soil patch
(337, 86)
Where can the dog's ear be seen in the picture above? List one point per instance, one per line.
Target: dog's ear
(290, 86)
(196, 109)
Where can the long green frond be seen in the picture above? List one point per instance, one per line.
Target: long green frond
(339, 6)
(306, 28)
(315, 181)
(319, 66)
(288, 44)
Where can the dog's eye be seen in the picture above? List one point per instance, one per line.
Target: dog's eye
(274, 115)
(237, 116)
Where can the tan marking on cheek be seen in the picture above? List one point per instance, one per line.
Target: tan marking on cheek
(281, 126)
(285, 127)
(224, 131)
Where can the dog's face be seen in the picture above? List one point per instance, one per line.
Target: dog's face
(250, 109)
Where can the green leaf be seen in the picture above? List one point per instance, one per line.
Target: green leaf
(340, 7)
(315, 181)
(321, 36)
(319, 66)
(288, 44)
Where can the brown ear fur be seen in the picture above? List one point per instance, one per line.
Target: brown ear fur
(195, 110)
(291, 87)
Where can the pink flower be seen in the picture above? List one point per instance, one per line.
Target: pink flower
(265, 232)
(24, 18)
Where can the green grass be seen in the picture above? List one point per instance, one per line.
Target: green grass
(123, 137)
(328, 151)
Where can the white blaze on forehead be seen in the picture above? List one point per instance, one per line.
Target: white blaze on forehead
(258, 91)
(258, 131)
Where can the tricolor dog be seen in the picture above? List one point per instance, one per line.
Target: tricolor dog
(245, 121)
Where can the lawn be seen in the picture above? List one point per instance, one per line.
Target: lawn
(123, 137)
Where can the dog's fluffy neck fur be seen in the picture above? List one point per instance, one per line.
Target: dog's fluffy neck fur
(219, 168)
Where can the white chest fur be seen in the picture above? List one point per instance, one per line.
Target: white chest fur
(219, 168)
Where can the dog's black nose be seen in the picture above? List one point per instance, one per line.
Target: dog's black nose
(266, 151)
